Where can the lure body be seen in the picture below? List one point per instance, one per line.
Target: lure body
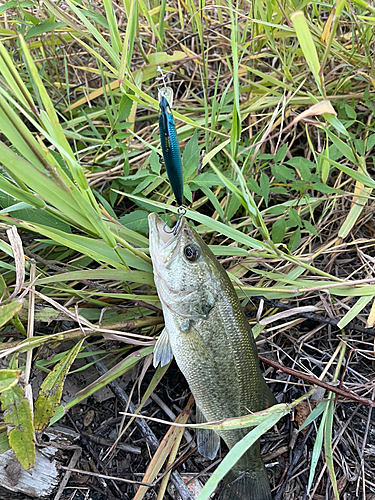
(171, 149)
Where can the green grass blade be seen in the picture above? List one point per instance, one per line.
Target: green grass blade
(316, 450)
(354, 311)
(13, 79)
(111, 52)
(236, 453)
(328, 447)
(308, 47)
(100, 274)
(113, 28)
(214, 225)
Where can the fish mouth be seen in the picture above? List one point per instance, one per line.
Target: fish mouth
(161, 237)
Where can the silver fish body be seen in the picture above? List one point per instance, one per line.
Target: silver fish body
(209, 336)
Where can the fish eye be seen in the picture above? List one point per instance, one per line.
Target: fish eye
(192, 253)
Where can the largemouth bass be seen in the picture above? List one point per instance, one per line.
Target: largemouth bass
(208, 334)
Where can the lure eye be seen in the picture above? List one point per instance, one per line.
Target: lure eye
(192, 253)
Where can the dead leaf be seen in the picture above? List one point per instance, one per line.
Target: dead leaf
(289, 312)
(327, 27)
(318, 109)
(89, 417)
(19, 259)
(302, 412)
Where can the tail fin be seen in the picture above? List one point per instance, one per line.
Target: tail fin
(253, 485)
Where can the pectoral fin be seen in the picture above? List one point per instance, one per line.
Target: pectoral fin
(208, 441)
(162, 350)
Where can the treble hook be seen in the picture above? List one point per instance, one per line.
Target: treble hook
(181, 212)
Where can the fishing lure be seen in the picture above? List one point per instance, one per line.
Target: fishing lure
(171, 149)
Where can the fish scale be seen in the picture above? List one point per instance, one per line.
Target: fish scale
(207, 332)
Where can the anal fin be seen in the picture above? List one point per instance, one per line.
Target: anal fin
(162, 350)
(208, 441)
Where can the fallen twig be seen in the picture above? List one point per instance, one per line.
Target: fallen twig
(315, 381)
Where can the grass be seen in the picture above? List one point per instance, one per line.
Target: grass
(274, 106)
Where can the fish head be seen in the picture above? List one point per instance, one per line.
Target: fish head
(186, 271)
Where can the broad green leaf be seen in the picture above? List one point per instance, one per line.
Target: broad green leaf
(278, 230)
(9, 378)
(190, 157)
(207, 179)
(283, 171)
(51, 389)
(310, 227)
(7, 311)
(280, 154)
(19, 421)
(154, 162)
(4, 442)
(294, 217)
(305, 166)
(42, 28)
(253, 186)
(345, 149)
(294, 240)
(265, 187)
(370, 142)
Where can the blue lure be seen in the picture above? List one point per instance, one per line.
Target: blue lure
(171, 149)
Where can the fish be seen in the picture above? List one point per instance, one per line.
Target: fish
(207, 333)
(171, 149)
